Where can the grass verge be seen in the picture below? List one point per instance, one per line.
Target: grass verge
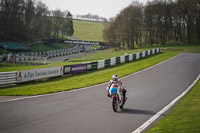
(85, 79)
(185, 117)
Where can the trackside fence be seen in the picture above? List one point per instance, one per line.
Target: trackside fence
(7, 78)
(121, 59)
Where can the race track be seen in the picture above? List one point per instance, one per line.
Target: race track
(89, 110)
(72, 56)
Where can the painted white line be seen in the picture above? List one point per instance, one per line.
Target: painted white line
(28, 97)
(152, 119)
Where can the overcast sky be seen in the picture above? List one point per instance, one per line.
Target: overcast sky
(103, 8)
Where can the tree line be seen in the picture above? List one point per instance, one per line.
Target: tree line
(30, 20)
(158, 21)
(91, 17)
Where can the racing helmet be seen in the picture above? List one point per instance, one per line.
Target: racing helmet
(115, 77)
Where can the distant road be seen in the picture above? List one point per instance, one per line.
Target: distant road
(74, 38)
(67, 57)
(89, 110)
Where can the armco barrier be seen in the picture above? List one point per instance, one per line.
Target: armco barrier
(94, 65)
(7, 78)
(101, 64)
(113, 61)
(123, 59)
(107, 63)
(79, 68)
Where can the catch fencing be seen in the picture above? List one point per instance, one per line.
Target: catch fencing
(8, 78)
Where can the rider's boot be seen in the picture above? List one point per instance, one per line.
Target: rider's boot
(124, 100)
(108, 94)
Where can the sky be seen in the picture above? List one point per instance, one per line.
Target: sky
(103, 8)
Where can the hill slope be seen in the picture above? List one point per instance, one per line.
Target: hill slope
(88, 30)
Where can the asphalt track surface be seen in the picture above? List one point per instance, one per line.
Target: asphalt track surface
(89, 110)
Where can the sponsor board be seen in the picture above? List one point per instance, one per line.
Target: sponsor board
(82, 42)
(35, 74)
(78, 68)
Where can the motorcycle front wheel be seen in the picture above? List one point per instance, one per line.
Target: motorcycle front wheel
(114, 104)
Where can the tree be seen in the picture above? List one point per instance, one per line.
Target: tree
(69, 25)
(158, 21)
(28, 20)
(127, 26)
(38, 26)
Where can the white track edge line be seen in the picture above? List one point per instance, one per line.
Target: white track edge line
(161, 112)
(28, 97)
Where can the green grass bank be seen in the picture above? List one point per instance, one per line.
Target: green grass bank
(184, 118)
(88, 30)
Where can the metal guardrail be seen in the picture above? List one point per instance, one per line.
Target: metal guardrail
(8, 78)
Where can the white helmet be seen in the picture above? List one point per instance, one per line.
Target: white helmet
(115, 77)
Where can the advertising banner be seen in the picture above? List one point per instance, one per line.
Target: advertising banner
(78, 68)
(35, 74)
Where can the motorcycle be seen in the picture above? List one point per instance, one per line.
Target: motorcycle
(117, 97)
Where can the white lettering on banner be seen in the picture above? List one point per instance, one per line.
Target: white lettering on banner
(82, 42)
(29, 75)
(67, 69)
(79, 68)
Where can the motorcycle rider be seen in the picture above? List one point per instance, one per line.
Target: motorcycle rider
(116, 80)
